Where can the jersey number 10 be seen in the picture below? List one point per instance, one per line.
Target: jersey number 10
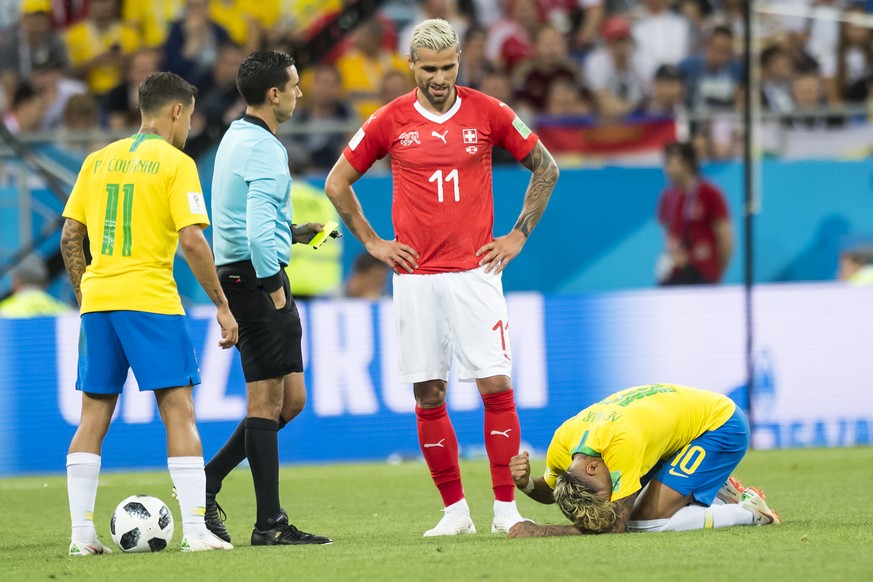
(109, 222)
(450, 177)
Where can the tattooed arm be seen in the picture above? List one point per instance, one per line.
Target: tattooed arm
(527, 529)
(338, 188)
(501, 250)
(623, 509)
(73, 252)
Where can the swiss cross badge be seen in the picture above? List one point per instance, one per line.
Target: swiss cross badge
(470, 136)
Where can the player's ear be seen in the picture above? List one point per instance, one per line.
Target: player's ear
(410, 60)
(177, 111)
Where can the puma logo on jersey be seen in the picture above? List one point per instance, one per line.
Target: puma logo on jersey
(442, 137)
(501, 433)
(437, 444)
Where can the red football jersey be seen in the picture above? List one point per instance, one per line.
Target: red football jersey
(689, 218)
(443, 206)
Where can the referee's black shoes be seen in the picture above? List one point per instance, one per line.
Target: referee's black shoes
(282, 533)
(215, 518)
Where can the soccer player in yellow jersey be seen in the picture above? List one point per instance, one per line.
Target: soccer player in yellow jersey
(136, 199)
(649, 458)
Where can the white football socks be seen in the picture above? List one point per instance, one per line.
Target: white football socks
(83, 470)
(692, 517)
(190, 482)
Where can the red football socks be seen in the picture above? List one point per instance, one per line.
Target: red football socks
(439, 444)
(502, 440)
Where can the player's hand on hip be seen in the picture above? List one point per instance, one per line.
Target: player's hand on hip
(278, 297)
(398, 256)
(229, 328)
(519, 467)
(303, 233)
(500, 251)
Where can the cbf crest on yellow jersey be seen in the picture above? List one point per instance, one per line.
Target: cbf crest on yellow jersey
(134, 196)
(634, 429)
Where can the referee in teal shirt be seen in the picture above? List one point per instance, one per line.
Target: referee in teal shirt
(252, 230)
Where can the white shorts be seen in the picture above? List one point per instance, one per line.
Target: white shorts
(462, 313)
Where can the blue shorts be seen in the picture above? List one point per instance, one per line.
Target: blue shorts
(703, 466)
(157, 347)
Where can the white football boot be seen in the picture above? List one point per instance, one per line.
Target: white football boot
(753, 500)
(456, 520)
(506, 515)
(92, 548)
(204, 544)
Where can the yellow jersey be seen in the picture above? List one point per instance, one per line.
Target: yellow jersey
(85, 42)
(134, 196)
(634, 429)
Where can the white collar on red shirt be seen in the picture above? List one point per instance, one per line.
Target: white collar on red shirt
(433, 116)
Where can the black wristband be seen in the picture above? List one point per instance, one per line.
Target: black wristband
(271, 283)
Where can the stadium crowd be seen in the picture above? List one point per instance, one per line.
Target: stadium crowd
(72, 65)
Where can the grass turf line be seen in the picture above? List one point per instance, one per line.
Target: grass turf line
(376, 514)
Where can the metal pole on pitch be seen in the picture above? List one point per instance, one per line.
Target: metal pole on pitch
(750, 203)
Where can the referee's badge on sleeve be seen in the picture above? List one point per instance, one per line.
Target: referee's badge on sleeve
(196, 203)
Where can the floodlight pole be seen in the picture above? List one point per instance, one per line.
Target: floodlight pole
(751, 100)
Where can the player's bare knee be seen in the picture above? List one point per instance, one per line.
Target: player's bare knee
(494, 384)
(430, 394)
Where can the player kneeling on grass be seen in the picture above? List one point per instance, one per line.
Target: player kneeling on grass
(650, 458)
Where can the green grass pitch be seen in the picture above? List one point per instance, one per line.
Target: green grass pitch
(376, 514)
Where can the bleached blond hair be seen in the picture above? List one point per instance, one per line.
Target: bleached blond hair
(435, 34)
(580, 504)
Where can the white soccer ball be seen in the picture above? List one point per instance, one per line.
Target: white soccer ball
(141, 523)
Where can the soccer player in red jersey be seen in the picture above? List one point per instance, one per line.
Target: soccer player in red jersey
(448, 294)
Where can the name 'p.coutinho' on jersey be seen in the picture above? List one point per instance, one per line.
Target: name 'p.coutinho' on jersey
(443, 206)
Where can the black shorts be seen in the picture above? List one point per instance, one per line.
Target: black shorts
(269, 338)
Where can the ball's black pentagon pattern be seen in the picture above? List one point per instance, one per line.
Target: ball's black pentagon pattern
(112, 524)
(130, 539)
(164, 519)
(137, 510)
(157, 544)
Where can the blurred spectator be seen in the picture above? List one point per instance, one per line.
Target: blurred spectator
(845, 70)
(28, 297)
(498, 85)
(487, 12)
(99, 46)
(445, 9)
(192, 45)
(65, 13)
(474, 64)
(586, 19)
(616, 73)
(365, 65)
(81, 115)
(314, 272)
(808, 92)
(27, 110)
(28, 44)
(152, 19)
(511, 38)
(856, 266)
(50, 80)
(696, 222)
(777, 72)
(692, 12)
(318, 150)
(661, 34)
(713, 79)
(565, 99)
(394, 84)
(368, 279)
(245, 20)
(122, 103)
(549, 63)
(667, 96)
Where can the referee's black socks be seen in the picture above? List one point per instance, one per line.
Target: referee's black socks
(262, 450)
(229, 457)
